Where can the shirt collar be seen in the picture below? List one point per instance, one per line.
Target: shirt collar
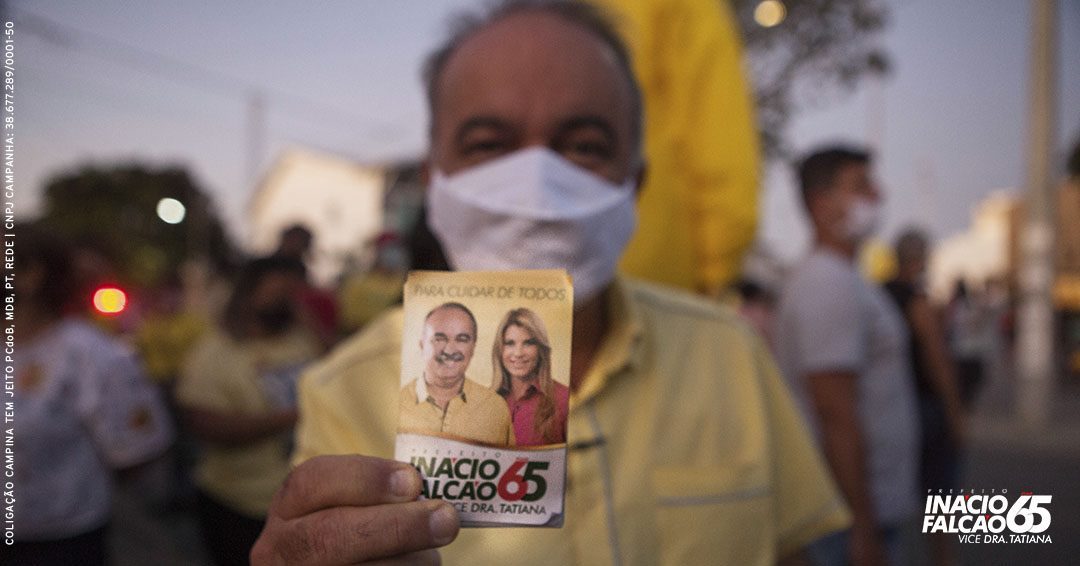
(422, 392)
(619, 349)
(509, 392)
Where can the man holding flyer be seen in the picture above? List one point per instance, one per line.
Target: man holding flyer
(684, 445)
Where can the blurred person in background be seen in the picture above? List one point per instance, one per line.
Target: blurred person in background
(164, 338)
(168, 331)
(968, 339)
(237, 393)
(757, 306)
(941, 412)
(365, 296)
(85, 410)
(843, 344)
(295, 242)
(319, 308)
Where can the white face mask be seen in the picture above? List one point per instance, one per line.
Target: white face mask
(863, 219)
(533, 209)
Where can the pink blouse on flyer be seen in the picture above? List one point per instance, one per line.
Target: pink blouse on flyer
(523, 411)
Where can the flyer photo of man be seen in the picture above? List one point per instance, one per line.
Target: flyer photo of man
(443, 401)
(521, 360)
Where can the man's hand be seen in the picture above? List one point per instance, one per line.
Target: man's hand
(353, 509)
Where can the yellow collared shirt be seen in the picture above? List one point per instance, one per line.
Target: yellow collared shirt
(476, 414)
(225, 375)
(685, 445)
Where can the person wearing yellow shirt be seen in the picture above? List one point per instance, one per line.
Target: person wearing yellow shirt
(237, 396)
(684, 445)
(164, 339)
(365, 296)
(443, 401)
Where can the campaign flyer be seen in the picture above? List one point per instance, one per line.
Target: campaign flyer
(485, 376)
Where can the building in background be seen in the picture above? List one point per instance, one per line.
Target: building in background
(989, 251)
(343, 203)
(979, 254)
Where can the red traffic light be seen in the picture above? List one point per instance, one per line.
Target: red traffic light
(110, 300)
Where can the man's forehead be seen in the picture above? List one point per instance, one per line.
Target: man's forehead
(448, 316)
(526, 50)
(856, 168)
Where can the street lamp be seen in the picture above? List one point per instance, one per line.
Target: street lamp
(171, 211)
(769, 13)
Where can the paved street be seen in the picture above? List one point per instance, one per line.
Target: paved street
(1042, 470)
(1006, 455)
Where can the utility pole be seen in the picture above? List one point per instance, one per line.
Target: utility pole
(1035, 353)
(256, 135)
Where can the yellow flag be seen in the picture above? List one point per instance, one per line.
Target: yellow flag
(698, 210)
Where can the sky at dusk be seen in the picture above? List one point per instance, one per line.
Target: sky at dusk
(173, 83)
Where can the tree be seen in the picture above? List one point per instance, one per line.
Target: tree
(115, 209)
(821, 48)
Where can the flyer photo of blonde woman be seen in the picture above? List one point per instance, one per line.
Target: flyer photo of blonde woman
(521, 360)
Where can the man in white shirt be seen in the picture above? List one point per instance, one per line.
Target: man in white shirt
(843, 345)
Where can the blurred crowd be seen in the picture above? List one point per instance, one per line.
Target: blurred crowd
(199, 397)
(191, 400)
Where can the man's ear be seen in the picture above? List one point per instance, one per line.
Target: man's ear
(425, 171)
(820, 202)
(811, 203)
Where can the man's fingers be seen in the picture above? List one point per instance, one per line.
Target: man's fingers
(336, 481)
(347, 535)
(350, 509)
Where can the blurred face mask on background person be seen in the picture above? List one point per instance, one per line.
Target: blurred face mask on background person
(533, 209)
(862, 220)
(276, 317)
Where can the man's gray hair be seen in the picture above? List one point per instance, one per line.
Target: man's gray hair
(591, 18)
